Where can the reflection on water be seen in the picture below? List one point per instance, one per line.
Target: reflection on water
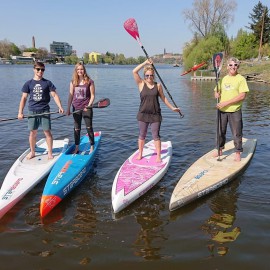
(220, 225)
(151, 236)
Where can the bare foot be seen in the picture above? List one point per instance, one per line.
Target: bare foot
(216, 153)
(139, 157)
(76, 150)
(50, 156)
(91, 148)
(30, 155)
(158, 160)
(237, 156)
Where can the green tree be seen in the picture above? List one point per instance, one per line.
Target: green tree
(8, 48)
(244, 46)
(71, 60)
(260, 23)
(110, 56)
(14, 49)
(140, 59)
(120, 59)
(42, 53)
(266, 49)
(86, 58)
(203, 51)
(220, 33)
(107, 60)
(30, 50)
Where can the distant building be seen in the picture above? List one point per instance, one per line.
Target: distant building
(168, 55)
(22, 59)
(29, 54)
(61, 49)
(4, 61)
(94, 57)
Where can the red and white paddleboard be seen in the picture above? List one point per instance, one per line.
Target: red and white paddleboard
(136, 177)
(25, 173)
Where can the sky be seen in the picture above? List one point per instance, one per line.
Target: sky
(97, 25)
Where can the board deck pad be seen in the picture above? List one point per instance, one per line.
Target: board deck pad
(135, 172)
(209, 173)
(135, 176)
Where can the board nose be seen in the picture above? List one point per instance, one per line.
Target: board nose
(48, 202)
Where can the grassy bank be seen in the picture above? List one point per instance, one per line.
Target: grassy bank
(256, 71)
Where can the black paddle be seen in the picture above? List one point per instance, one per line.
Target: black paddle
(26, 116)
(217, 63)
(102, 103)
(131, 27)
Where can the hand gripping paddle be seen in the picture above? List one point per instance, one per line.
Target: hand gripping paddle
(102, 103)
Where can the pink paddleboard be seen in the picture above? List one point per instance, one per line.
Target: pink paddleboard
(136, 177)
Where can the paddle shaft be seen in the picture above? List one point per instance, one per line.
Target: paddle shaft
(217, 68)
(26, 116)
(95, 105)
(146, 54)
(218, 119)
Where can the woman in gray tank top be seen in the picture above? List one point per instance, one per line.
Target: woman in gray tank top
(149, 110)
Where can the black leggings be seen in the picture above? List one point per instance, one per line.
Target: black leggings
(88, 117)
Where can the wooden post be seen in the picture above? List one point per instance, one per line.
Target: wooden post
(260, 47)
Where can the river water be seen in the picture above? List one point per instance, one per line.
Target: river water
(228, 229)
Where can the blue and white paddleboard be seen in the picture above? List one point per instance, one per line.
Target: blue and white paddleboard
(68, 172)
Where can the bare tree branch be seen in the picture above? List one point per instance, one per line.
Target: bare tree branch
(206, 15)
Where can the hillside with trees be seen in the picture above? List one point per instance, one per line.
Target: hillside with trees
(208, 21)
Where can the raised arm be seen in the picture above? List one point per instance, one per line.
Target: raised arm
(139, 81)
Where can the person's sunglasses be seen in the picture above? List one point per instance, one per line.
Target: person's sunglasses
(231, 65)
(40, 69)
(149, 75)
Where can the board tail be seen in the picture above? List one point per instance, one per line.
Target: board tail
(48, 202)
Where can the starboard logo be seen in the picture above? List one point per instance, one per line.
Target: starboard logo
(201, 174)
(74, 182)
(9, 193)
(60, 174)
(195, 179)
(212, 188)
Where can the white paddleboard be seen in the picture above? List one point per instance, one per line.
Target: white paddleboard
(25, 173)
(209, 173)
(136, 177)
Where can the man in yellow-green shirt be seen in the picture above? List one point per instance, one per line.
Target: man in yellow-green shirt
(232, 90)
